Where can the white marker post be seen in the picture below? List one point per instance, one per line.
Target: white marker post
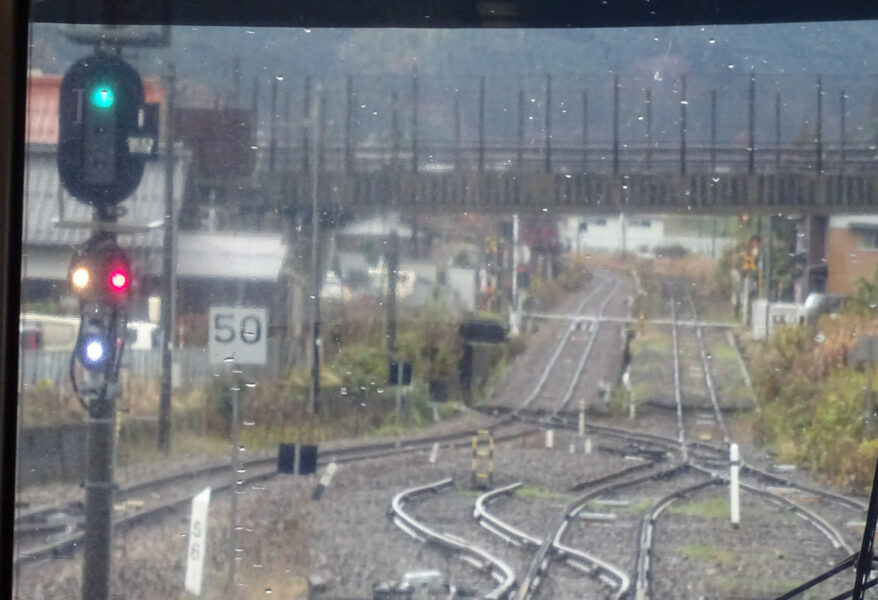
(325, 480)
(550, 438)
(197, 542)
(734, 487)
(434, 454)
(582, 417)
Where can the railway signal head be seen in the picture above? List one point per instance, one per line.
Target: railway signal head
(97, 342)
(101, 272)
(101, 107)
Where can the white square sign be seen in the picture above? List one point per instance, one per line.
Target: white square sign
(238, 334)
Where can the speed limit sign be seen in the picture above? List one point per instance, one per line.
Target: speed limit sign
(238, 334)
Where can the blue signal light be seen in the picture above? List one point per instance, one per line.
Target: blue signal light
(93, 352)
(102, 96)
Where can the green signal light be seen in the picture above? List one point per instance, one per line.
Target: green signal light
(102, 97)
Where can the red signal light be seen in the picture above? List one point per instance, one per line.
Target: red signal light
(119, 280)
(101, 272)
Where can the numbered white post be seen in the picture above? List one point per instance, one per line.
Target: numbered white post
(434, 453)
(734, 487)
(197, 542)
(550, 438)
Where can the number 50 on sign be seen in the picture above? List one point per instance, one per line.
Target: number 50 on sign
(238, 334)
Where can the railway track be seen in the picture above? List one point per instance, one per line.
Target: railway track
(693, 456)
(501, 572)
(218, 477)
(707, 371)
(56, 530)
(548, 369)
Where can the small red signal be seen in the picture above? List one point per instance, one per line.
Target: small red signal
(101, 271)
(119, 280)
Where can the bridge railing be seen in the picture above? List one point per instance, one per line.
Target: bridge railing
(598, 158)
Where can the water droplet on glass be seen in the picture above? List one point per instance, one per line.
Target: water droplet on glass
(568, 176)
(711, 41)
(715, 179)
(731, 66)
(250, 384)
(820, 338)
(279, 77)
(343, 391)
(380, 390)
(249, 423)
(267, 590)
(307, 30)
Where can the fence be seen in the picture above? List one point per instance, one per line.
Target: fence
(45, 366)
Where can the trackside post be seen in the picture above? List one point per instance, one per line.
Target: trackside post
(734, 487)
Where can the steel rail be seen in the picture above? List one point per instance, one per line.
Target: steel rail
(544, 375)
(756, 472)
(541, 560)
(69, 541)
(580, 366)
(647, 529)
(499, 570)
(832, 534)
(708, 374)
(678, 395)
(591, 565)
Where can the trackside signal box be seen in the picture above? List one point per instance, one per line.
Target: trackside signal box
(106, 131)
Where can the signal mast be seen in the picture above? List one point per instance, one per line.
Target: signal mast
(106, 133)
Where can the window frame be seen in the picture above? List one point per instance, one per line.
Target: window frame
(14, 23)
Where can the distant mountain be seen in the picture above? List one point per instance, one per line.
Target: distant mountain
(785, 57)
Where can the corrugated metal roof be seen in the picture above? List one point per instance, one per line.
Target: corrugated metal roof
(43, 189)
(230, 255)
(42, 106)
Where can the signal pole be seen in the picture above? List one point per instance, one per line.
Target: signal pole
(106, 133)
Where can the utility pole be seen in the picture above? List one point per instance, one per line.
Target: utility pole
(169, 274)
(392, 274)
(316, 279)
(515, 316)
